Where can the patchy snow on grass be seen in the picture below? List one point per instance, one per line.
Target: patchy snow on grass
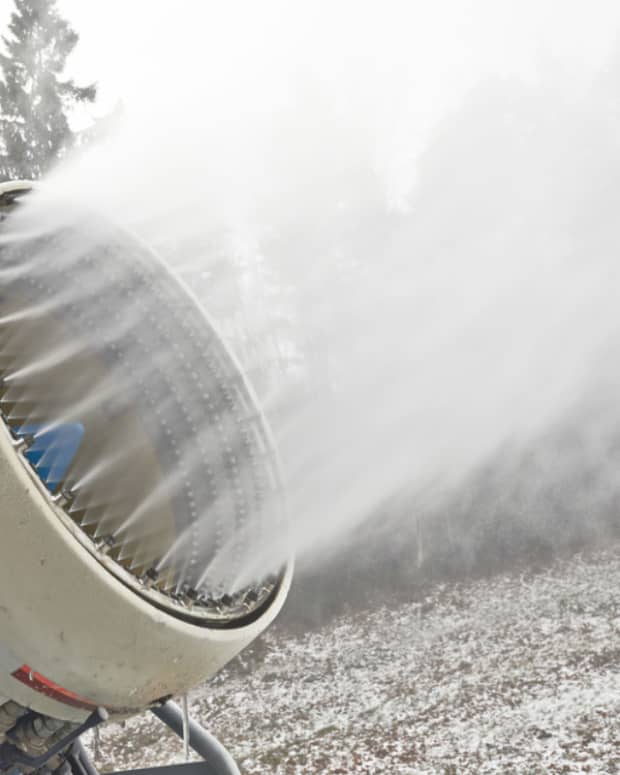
(515, 674)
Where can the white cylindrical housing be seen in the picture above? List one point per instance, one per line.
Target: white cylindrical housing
(66, 618)
(164, 434)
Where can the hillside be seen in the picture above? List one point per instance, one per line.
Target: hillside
(515, 674)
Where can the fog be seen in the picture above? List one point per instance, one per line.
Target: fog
(415, 212)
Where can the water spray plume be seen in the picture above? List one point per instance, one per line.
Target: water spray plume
(143, 428)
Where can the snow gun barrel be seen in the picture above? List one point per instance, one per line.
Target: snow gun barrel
(137, 476)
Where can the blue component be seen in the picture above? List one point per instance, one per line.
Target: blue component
(52, 452)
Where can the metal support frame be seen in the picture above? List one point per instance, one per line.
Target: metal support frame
(11, 755)
(79, 761)
(217, 759)
(76, 761)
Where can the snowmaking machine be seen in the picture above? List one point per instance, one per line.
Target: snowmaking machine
(138, 477)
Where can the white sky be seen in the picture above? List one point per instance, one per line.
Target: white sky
(126, 45)
(387, 68)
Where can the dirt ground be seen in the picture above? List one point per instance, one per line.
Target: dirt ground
(515, 674)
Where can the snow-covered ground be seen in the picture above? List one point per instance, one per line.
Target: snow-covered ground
(515, 674)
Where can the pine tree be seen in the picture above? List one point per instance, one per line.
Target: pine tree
(34, 100)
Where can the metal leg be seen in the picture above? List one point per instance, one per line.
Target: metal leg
(68, 756)
(217, 758)
(80, 761)
(11, 755)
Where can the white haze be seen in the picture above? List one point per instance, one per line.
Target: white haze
(262, 123)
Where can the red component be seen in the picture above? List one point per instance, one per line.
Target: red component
(43, 685)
